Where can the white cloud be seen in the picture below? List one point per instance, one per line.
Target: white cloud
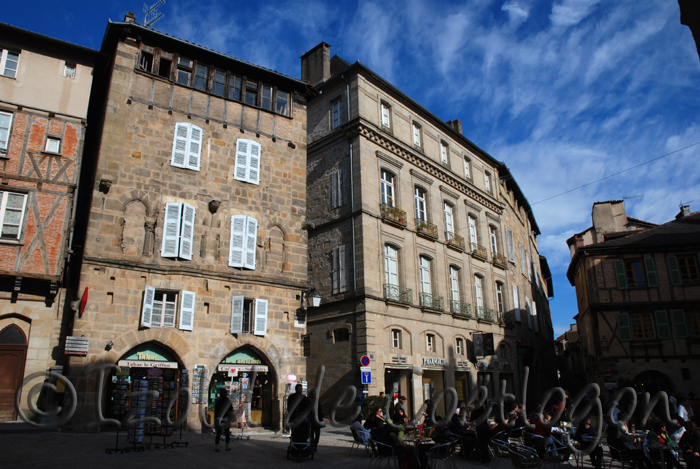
(518, 12)
(571, 12)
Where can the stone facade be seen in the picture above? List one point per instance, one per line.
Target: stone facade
(384, 267)
(43, 110)
(638, 292)
(134, 183)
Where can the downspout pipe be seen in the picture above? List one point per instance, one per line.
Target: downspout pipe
(352, 190)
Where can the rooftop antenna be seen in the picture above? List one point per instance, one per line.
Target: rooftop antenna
(685, 203)
(624, 199)
(152, 15)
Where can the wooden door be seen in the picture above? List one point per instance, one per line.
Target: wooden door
(13, 352)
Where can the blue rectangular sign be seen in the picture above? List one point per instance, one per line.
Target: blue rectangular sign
(366, 377)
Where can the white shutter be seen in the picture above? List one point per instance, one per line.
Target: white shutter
(509, 241)
(416, 135)
(385, 116)
(335, 276)
(194, 148)
(180, 144)
(528, 267)
(342, 266)
(240, 171)
(147, 310)
(254, 163)
(522, 258)
(237, 247)
(171, 230)
(535, 319)
(237, 315)
(516, 302)
(187, 231)
(260, 317)
(187, 310)
(251, 240)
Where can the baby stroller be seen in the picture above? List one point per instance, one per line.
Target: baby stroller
(300, 444)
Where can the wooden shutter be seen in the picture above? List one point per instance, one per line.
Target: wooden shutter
(260, 317)
(674, 270)
(528, 267)
(187, 231)
(342, 265)
(237, 248)
(335, 270)
(335, 189)
(254, 162)
(650, 267)
(385, 116)
(623, 326)
(509, 242)
(240, 171)
(237, 315)
(187, 310)
(522, 258)
(251, 240)
(194, 148)
(171, 230)
(180, 145)
(516, 302)
(663, 329)
(527, 310)
(147, 310)
(620, 274)
(680, 329)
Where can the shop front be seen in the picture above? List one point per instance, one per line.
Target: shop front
(399, 377)
(144, 369)
(462, 381)
(251, 386)
(434, 382)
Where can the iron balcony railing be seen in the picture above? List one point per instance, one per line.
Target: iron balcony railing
(430, 301)
(500, 259)
(454, 240)
(393, 215)
(460, 308)
(478, 251)
(426, 229)
(485, 313)
(398, 294)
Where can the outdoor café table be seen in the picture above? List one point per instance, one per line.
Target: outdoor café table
(422, 446)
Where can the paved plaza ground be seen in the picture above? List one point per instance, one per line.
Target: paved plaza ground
(264, 450)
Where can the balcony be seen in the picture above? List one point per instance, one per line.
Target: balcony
(499, 260)
(426, 229)
(398, 294)
(509, 319)
(430, 301)
(479, 251)
(393, 215)
(485, 314)
(454, 241)
(459, 308)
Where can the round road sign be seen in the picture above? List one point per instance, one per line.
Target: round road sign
(608, 375)
(364, 361)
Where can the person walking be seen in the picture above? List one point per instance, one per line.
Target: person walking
(223, 413)
(316, 420)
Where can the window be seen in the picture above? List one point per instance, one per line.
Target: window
(165, 64)
(159, 308)
(145, 62)
(184, 71)
(69, 70)
(341, 335)
(248, 316)
(493, 238)
(467, 170)
(516, 302)
(386, 115)
(528, 312)
(244, 239)
(396, 339)
(509, 242)
(417, 136)
(632, 273)
(53, 145)
(9, 63)
(178, 230)
(522, 260)
(387, 186)
(528, 267)
(338, 188)
(535, 319)
(688, 265)
(391, 266)
(430, 342)
(473, 239)
(692, 320)
(200, 77)
(454, 283)
(251, 93)
(424, 271)
(444, 152)
(282, 103)
(12, 206)
(340, 265)
(499, 298)
(247, 161)
(478, 292)
(449, 221)
(635, 326)
(459, 346)
(306, 345)
(5, 126)
(419, 198)
(635, 275)
(267, 97)
(336, 114)
(218, 86)
(234, 88)
(187, 146)
(487, 182)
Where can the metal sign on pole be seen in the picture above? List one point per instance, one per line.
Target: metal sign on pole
(366, 377)
(364, 361)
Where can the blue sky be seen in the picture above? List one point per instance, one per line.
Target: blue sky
(564, 91)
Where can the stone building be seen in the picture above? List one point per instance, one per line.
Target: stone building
(570, 360)
(638, 291)
(421, 245)
(194, 255)
(45, 86)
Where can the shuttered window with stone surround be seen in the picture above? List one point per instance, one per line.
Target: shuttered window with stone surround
(248, 154)
(249, 316)
(340, 269)
(187, 146)
(159, 308)
(178, 230)
(244, 236)
(338, 188)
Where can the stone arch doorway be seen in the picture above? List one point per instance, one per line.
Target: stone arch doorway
(653, 381)
(13, 354)
(253, 389)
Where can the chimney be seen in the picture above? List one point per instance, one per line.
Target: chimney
(316, 64)
(130, 17)
(456, 124)
(574, 327)
(685, 211)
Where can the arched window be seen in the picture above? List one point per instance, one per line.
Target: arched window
(493, 239)
(391, 273)
(473, 237)
(424, 268)
(12, 335)
(479, 296)
(420, 204)
(387, 187)
(448, 210)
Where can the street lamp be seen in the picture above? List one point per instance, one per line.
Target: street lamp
(313, 299)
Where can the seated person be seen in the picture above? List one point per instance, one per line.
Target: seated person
(658, 436)
(375, 419)
(389, 435)
(584, 435)
(617, 437)
(361, 430)
(690, 445)
(544, 431)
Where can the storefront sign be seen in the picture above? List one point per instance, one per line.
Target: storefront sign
(291, 377)
(77, 346)
(434, 361)
(462, 364)
(243, 368)
(148, 355)
(398, 359)
(147, 364)
(243, 358)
